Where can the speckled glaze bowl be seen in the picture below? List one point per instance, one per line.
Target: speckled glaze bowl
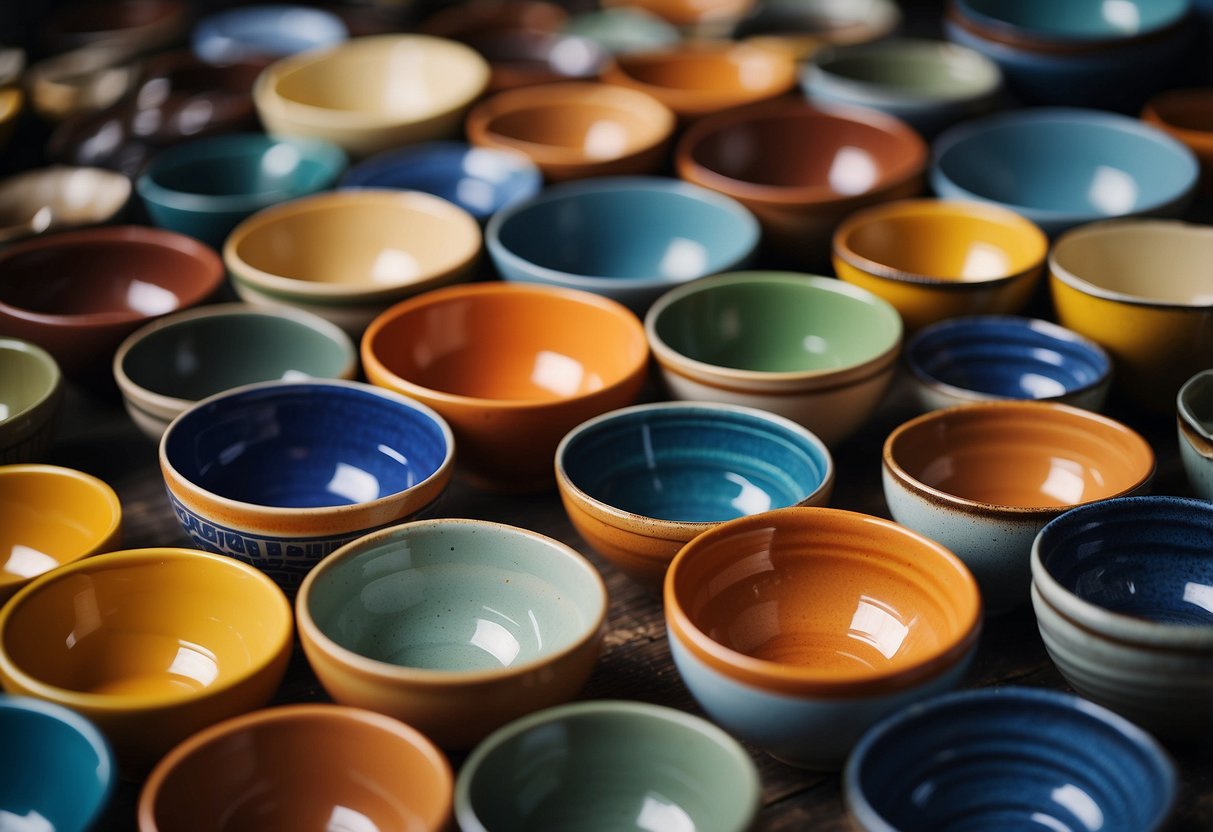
(1194, 424)
(31, 398)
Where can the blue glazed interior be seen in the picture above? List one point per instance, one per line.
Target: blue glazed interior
(1078, 19)
(305, 445)
(694, 465)
(1148, 557)
(271, 29)
(248, 165)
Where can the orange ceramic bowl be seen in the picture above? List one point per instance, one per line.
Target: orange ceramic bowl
(1188, 116)
(798, 628)
(512, 367)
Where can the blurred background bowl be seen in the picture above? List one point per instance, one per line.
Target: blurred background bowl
(805, 26)
(623, 29)
(81, 81)
(276, 31)
(135, 26)
(58, 198)
(1187, 115)
(31, 398)
(12, 105)
(1194, 423)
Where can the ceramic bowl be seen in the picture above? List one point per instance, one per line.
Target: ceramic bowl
(172, 363)
(1186, 115)
(603, 759)
(1141, 290)
(12, 64)
(695, 19)
(81, 81)
(348, 255)
(12, 104)
(1194, 424)
(936, 259)
(984, 478)
(264, 31)
(928, 84)
(573, 130)
(806, 26)
(1119, 590)
(57, 770)
(513, 367)
(700, 78)
(629, 238)
(640, 482)
(1099, 165)
(50, 517)
(1008, 757)
(801, 170)
(31, 398)
(374, 93)
(467, 18)
(453, 626)
(1087, 23)
(986, 357)
(623, 29)
(78, 293)
(204, 188)
(281, 473)
(525, 57)
(813, 349)
(479, 180)
(133, 25)
(152, 645)
(796, 629)
(297, 766)
(58, 198)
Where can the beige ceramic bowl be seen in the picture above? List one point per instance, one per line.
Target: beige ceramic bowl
(59, 197)
(372, 93)
(81, 81)
(574, 130)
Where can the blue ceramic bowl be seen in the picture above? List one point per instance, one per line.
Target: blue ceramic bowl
(1008, 758)
(56, 770)
(204, 188)
(1062, 167)
(628, 238)
(1074, 22)
(480, 180)
(264, 31)
(1005, 357)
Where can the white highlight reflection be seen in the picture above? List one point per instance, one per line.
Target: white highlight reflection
(497, 641)
(750, 498)
(353, 484)
(26, 562)
(393, 265)
(557, 373)
(1065, 482)
(149, 299)
(659, 815)
(1081, 805)
(1112, 191)
(983, 261)
(875, 625)
(31, 822)
(853, 171)
(1199, 595)
(684, 258)
(345, 819)
(605, 140)
(280, 160)
(1122, 14)
(196, 663)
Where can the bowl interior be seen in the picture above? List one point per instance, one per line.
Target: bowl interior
(265, 30)
(73, 196)
(305, 446)
(915, 69)
(597, 127)
(718, 72)
(246, 166)
(1083, 20)
(457, 596)
(26, 377)
(694, 464)
(1158, 262)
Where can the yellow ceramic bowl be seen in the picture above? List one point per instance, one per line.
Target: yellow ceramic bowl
(51, 516)
(152, 645)
(935, 259)
(372, 93)
(1142, 290)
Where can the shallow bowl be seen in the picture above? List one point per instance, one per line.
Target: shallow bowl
(276, 31)
(31, 399)
(59, 197)
(1194, 425)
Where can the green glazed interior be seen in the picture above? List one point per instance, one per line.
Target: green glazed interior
(26, 377)
(911, 68)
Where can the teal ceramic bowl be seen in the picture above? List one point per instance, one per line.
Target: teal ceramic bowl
(608, 766)
(204, 188)
(31, 396)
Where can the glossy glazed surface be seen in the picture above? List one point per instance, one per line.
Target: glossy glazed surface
(253, 31)
(1194, 408)
(523, 57)
(1085, 21)
(31, 393)
(598, 766)
(57, 198)
(806, 26)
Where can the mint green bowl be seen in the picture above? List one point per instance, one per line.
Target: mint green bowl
(31, 396)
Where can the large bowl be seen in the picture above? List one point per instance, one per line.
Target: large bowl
(31, 397)
(1194, 424)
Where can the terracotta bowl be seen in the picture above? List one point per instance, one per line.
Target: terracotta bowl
(57, 198)
(1187, 115)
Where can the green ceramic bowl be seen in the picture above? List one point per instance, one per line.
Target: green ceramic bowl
(31, 395)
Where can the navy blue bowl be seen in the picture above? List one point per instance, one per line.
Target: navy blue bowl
(270, 31)
(480, 180)
(1010, 758)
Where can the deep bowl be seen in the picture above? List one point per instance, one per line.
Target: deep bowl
(31, 398)
(280, 474)
(58, 198)
(276, 31)
(1194, 424)
(453, 626)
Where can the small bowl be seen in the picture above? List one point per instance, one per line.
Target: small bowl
(640, 482)
(479, 180)
(50, 517)
(107, 282)
(276, 31)
(525, 57)
(573, 130)
(1098, 165)
(136, 26)
(57, 768)
(31, 398)
(623, 29)
(1117, 592)
(813, 349)
(593, 759)
(172, 363)
(1194, 423)
(81, 81)
(628, 238)
(805, 26)
(348, 255)
(204, 188)
(1008, 757)
(801, 170)
(984, 478)
(1187, 115)
(936, 259)
(59, 198)
(455, 627)
(373, 93)
(296, 767)
(796, 629)
(522, 366)
(1140, 289)
(152, 645)
(281, 473)
(990, 357)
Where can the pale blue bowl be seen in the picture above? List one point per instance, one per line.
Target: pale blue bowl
(264, 31)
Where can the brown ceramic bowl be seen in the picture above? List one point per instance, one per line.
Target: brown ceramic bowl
(77, 294)
(573, 130)
(475, 17)
(1187, 115)
(801, 170)
(134, 25)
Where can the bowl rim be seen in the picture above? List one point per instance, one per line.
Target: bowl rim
(745, 778)
(47, 362)
(1183, 409)
(742, 220)
(1158, 110)
(414, 156)
(277, 650)
(1030, 409)
(382, 672)
(55, 173)
(1008, 33)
